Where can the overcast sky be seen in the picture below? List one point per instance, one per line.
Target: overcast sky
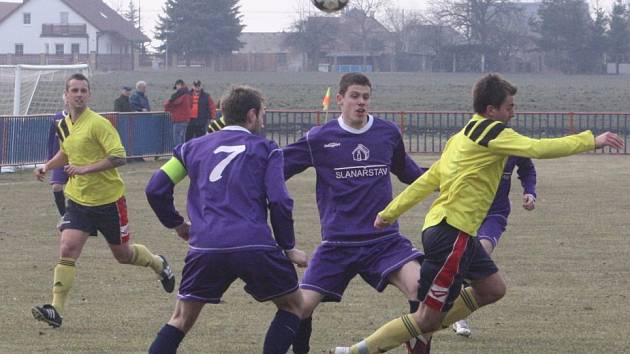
(266, 15)
(261, 15)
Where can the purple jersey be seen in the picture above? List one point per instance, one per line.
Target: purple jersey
(53, 137)
(235, 177)
(526, 173)
(353, 176)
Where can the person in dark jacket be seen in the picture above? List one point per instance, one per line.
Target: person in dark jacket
(139, 100)
(203, 109)
(122, 104)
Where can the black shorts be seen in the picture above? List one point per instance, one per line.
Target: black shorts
(450, 256)
(109, 219)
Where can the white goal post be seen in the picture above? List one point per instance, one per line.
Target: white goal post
(34, 89)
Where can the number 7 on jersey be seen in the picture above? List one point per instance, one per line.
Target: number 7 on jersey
(232, 151)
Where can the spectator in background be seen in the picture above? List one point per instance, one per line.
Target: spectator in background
(139, 101)
(122, 103)
(180, 106)
(203, 109)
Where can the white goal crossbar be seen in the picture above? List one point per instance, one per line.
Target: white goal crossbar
(20, 105)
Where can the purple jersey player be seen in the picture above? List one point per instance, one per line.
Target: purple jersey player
(58, 178)
(353, 157)
(495, 222)
(236, 180)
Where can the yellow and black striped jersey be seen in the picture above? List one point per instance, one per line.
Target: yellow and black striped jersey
(87, 140)
(469, 171)
(216, 125)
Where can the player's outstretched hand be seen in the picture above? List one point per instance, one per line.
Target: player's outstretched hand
(529, 201)
(40, 173)
(380, 223)
(608, 139)
(298, 257)
(183, 230)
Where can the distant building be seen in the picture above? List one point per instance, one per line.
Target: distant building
(65, 32)
(263, 52)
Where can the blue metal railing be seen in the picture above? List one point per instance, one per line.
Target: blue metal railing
(23, 138)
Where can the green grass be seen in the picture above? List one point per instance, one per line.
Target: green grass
(566, 265)
(392, 91)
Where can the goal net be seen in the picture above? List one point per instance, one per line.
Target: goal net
(34, 89)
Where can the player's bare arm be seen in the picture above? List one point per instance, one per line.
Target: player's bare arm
(59, 160)
(102, 165)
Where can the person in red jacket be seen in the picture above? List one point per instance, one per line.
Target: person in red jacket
(180, 107)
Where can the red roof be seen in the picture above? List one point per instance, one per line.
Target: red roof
(95, 12)
(6, 8)
(105, 19)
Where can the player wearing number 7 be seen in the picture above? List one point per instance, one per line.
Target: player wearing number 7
(236, 177)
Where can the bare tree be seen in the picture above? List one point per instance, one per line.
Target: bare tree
(477, 20)
(363, 14)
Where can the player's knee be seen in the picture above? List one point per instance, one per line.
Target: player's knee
(427, 320)
(123, 257)
(495, 292)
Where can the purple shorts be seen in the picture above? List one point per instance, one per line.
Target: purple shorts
(333, 266)
(492, 228)
(450, 257)
(58, 176)
(267, 275)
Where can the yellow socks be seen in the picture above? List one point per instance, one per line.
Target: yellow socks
(63, 278)
(389, 336)
(402, 329)
(144, 258)
(463, 306)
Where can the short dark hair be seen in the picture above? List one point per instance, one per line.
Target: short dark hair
(491, 90)
(353, 79)
(77, 76)
(237, 101)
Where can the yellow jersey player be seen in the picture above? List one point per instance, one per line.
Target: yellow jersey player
(91, 151)
(467, 175)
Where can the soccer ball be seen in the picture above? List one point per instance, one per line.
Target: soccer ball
(330, 5)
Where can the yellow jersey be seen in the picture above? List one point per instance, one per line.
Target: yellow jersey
(88, 140)
(470, 168)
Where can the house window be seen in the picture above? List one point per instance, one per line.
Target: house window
(46, 48)
(26, 18)
(64, 17)
(19, 49)
(74, 49)
(59, 49)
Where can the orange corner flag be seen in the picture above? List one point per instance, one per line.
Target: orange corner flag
(326, 100)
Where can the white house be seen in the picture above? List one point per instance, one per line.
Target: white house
(65, 27)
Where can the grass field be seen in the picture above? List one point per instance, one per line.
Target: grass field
(392, 91)
(566, 265)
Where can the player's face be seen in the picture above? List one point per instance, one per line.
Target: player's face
(354, 105)
(505, 112)
(77, 94)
